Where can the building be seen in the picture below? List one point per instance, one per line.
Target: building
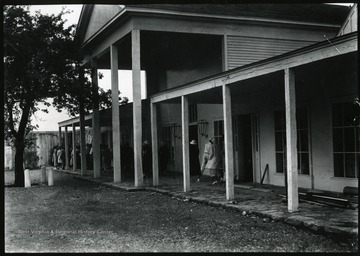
(273, 86)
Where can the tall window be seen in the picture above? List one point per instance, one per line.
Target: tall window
(167, 138)
(302, 141)
(346, 141)
(219, 133)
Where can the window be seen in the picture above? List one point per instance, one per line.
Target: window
(167, 138)
(219, 133)
(192, 113)
(346, 141)
(303, 153)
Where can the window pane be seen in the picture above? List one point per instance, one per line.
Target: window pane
(216, 129)
(279, 162)
(338, 165)
(349, 113)
(279, 141)
(221, 128)
(350, 165)
(338, 139)
(337, 115)
(349, 139)
(304, 141)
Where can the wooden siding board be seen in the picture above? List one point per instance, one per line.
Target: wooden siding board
(245, 50)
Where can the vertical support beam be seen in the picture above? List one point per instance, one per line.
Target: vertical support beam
(291, 137)
(228, 139)
(185, 141)
(95, 121)
(82, 141)
(59, 138)
(66, 149)
(154, 143)
(137, 122)
(74, 146)
(224, 54)
(115, 112)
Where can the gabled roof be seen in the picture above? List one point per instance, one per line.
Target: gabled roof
(316, 14)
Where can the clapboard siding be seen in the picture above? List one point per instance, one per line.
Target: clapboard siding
(245, 50)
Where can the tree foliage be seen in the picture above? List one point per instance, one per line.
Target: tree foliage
(42, 60)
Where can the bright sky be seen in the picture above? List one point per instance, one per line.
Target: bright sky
(49, 121)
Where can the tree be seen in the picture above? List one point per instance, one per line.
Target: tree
(41, 61)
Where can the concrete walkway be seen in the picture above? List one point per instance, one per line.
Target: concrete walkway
(264, 201)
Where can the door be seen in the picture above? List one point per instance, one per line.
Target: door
(245, 150)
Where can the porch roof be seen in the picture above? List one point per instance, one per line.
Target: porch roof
(320, 51)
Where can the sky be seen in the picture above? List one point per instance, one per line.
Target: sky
(49, 121)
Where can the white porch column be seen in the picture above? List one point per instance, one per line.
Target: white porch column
(115, 113)
(137, 122)
(291, 137)
(66, 149)
(154, 143)
(185, 141)
(228, 140)
(82, 143)
(74, 146)
(59, 139)
(95, 122)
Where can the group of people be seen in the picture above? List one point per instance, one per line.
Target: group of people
(211, 161)
(58, 157)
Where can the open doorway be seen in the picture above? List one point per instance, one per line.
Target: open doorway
(244, 148)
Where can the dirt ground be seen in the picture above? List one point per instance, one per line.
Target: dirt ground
(78, 216)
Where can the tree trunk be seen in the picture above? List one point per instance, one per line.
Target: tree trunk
(19, 160)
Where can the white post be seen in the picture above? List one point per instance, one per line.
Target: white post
(66, 149)
(137, 122)
(43, 174)
(228, 139)
(82, 145)
(27, 178)
(291, 137)
(59, 139)
(185, 142)
(115, 113)
(51, 176)
(96, 122)
(74, 146)
(154, 143)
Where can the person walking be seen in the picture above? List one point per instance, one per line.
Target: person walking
(194, 160)
(212, 160)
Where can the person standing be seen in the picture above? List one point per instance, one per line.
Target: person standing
(59, 158)
(54, 157)
(194, 160)
(212, 160)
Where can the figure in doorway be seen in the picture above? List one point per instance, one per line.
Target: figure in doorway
(194, 160)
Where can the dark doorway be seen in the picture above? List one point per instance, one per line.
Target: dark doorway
(245, 148)
(193, 132)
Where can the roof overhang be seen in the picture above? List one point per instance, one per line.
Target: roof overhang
(320, 51)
